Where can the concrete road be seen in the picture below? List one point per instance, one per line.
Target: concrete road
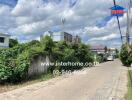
(106, 81)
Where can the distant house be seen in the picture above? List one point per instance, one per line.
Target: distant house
(67, 37)
(59, 36)
(76, 39)
(62, 36)
(112, 51)
(4, 40)
(100, 49)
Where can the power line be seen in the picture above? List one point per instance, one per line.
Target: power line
(114, 2)
(118, 23)
(130, 2)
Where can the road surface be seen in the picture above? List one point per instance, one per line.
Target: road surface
(106, 81)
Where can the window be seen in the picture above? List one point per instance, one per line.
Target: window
(2, 39)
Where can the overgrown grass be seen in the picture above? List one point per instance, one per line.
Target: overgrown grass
(39, 78)
(129, 93)
(35, 79)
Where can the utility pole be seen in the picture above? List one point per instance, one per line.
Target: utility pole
(128, 28)
(129, 22)
(114, 2)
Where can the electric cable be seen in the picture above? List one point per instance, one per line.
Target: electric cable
(118, 24)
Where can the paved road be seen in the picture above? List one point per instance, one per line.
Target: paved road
(106, 81)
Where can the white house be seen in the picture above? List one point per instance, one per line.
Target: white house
(100, 49)
(59, 36)
(76, 39)
(4, 40)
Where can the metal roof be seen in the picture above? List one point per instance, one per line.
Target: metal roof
(97, 47)
(2, 34)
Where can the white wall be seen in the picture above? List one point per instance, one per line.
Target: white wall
(58, 36)
(6, 42)
(36, 66)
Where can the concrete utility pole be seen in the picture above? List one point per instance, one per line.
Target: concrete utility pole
(128, 28)
(130, 18)
(129, 23)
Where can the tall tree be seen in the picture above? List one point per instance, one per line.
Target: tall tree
(105, 49)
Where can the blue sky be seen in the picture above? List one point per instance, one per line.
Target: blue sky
(11, 3)
(28, 19)
(103, 22)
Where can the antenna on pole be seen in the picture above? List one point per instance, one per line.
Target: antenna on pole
(63, 20)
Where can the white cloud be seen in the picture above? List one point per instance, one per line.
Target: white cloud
(30, 18)
(105, 38)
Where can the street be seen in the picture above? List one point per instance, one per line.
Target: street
(106, 81)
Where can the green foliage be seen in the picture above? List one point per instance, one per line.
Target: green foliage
(83, 53)
(100, 58)
(117, 53)
(15, 61)
(66, 52)
(34, 43)
(35, 52)
(47, 44)
(124, 56)
(13, 42)
(5, 73)
(128, 95)
(21, 68)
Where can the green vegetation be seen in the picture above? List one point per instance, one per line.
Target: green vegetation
(129, 93)
(73, 53)
(101, 58)
(15, 61)
(38, 78)
(13, 42)
(125, 56)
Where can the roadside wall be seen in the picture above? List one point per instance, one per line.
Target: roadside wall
(36, 66)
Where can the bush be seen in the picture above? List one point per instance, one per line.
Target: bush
(21, 68)
(35, 52)
(101, 58)
(65, 52)
(124, 56)
(14, 62)
(13, 42)
(5, 73)
(69, 56)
